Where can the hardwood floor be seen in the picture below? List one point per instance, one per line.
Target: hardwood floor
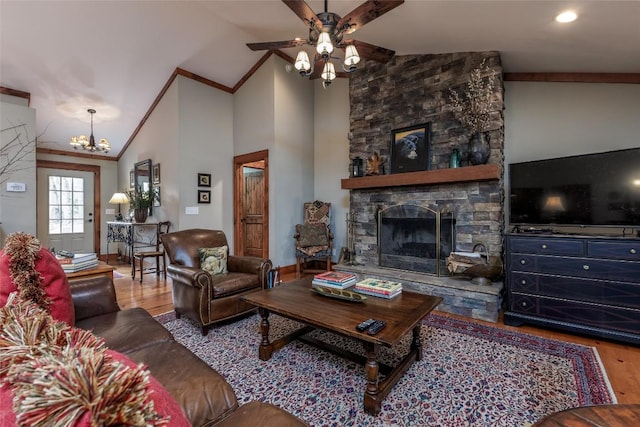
(622, 362)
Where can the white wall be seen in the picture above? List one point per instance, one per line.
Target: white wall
(331, 154)
(546, 120)
(18, 210)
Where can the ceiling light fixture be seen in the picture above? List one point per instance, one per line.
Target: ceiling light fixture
(566, 17)
(89, 144)
(325, 46)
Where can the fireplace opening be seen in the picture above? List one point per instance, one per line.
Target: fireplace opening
(415, 238)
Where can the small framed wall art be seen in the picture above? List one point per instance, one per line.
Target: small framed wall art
(204, 180)
(132, 179)
(156, 201)
(155, 173)
(410, 148)
(204, 196)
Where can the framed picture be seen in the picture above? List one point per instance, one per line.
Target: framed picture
(204, 180)
(132, 179)
(156, 202)
(155, 173)
(410, 148)
(204, 196)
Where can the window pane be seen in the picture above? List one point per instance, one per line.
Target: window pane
(78, 184)
(78, 212)
(54, 197)
(67, 226)
(78, 198)
(67, 198)
(67, 212)
(67, 183)
(54, 212)
(54, 227)
(78, 226)
(54, 183)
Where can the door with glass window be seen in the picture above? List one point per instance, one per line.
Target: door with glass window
(65, 209)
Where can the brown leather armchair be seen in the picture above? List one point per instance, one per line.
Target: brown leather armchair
(208, 298)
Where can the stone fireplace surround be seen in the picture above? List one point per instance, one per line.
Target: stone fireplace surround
(408, 91)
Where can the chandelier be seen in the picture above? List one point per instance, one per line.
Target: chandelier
(324, 48)
(89, 144)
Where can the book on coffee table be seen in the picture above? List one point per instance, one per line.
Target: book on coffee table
(379, 287)
(334, 279)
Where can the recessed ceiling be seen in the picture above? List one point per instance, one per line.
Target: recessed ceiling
(115, 56)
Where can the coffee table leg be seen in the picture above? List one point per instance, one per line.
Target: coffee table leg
(266, 348)
(415, 343)
(371, 398)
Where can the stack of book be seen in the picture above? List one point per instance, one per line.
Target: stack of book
(334, 279)
(78, 262)
(379, 288)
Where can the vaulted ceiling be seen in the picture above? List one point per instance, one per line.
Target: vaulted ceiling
(115, 56)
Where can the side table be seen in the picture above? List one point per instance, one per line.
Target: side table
(103, 269)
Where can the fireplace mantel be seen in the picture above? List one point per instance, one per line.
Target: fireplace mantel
(438, 176)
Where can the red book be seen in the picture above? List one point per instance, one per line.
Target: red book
(335, 276)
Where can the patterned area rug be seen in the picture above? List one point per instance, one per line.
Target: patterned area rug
(470, 375)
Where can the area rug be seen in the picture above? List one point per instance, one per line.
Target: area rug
(470, 375)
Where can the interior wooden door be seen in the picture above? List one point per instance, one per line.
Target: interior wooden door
(253, 210)
(251, 204)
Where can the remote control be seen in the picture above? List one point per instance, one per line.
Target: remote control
(377, 326)
(65, 254)
(365, 325)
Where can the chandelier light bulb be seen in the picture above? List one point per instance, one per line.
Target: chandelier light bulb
(328, 72)
(302, 64)
(351, 58)
(324, 46)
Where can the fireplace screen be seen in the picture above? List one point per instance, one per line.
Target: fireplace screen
(415, 238)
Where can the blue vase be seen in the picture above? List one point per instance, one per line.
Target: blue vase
(479, 148)
(454, 160)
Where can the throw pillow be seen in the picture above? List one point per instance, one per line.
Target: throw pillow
(312, 235)
(51, 373)
(214, 260)
(37, 276)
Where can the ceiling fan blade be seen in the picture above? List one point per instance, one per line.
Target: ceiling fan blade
(366, 12)
(370, 51)
(304, 12)
(277, 45)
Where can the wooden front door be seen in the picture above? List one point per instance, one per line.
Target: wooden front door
(251, 205)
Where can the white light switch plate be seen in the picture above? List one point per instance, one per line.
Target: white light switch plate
(110, 211)
(191, 210)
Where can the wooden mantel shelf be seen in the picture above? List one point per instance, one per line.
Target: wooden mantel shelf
(438, 176)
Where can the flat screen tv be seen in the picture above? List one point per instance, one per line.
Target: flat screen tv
(600, 189)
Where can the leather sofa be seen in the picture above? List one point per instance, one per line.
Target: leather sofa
(207, 298)
(203, 394)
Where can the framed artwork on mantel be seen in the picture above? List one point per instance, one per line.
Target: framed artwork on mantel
(410, 148)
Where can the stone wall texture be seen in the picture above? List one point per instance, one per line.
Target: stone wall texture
(408, 91)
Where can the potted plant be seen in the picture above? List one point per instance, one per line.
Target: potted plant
(472, 108)
(140, 201)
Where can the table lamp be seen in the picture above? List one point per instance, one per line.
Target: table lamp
(119, 198)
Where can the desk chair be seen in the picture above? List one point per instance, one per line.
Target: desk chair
(139, 256)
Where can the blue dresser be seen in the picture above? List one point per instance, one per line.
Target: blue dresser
(582, 284)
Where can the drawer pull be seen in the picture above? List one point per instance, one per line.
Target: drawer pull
(544, 246)
(524, 304)
(585, 267)
(633, 251)
(523, 262)
(524, 282)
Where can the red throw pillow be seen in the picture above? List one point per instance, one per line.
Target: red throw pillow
(30, 258)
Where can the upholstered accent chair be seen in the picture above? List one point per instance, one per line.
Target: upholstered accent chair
(314, 240)
(205, 297)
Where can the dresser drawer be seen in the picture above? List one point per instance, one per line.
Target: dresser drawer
(615, 250)
(589, 290)
(625, 271)
(575, 312)
(547, 246)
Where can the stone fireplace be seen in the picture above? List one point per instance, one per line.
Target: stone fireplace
(407, 91)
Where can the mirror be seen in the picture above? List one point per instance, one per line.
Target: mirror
(142, 177)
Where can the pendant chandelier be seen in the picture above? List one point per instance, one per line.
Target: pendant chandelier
(89, 144)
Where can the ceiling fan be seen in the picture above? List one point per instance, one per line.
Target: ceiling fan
(327, 31)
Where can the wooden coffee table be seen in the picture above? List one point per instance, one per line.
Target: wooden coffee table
(403, 314)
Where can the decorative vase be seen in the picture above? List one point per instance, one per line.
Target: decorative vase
(454, 160)
(140, 214)
(479, 148)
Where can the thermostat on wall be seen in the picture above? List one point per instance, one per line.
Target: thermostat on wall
(19, 187)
